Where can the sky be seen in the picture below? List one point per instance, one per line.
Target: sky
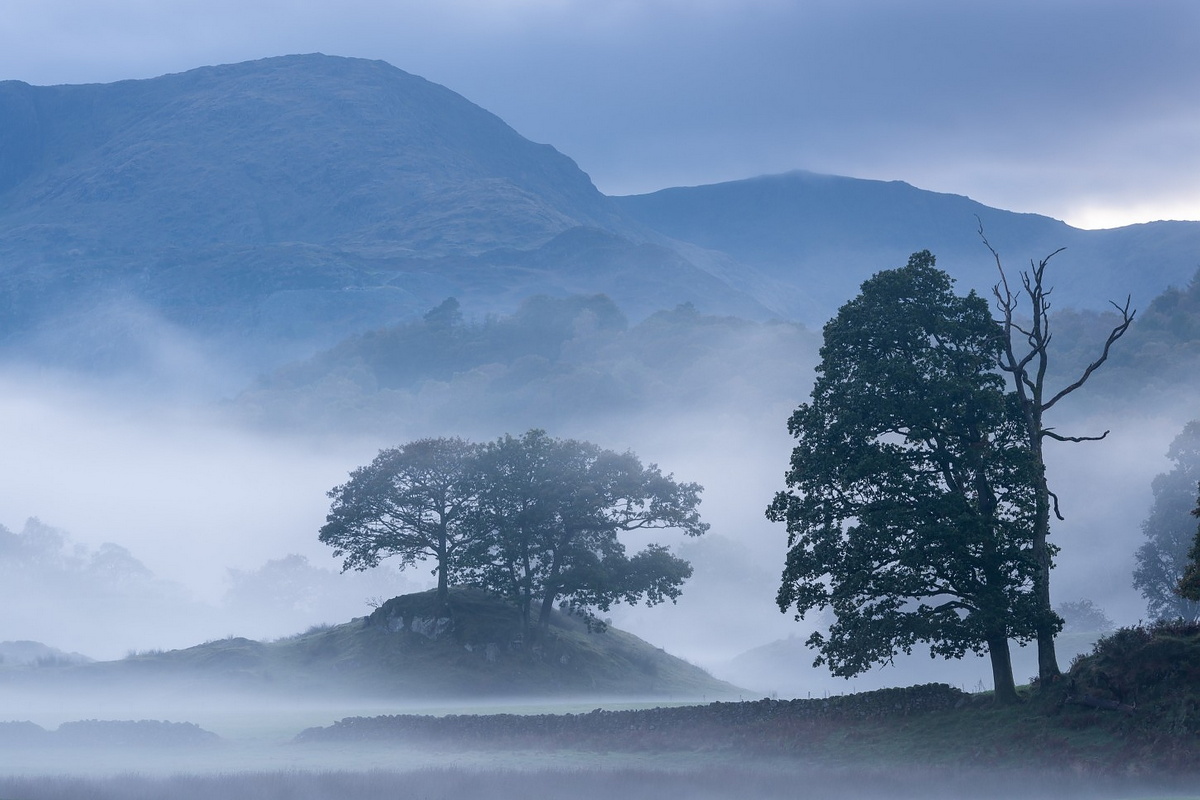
(1084, 110)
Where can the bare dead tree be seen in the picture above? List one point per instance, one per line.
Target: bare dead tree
(1026, 356)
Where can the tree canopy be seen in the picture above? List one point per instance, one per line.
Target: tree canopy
(1189, 584)
(552, 510)
(910, 494)
(1169, 530)
(533, 518)
(414, 502)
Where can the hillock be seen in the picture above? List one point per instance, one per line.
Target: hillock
(106, 733)
(411, 647)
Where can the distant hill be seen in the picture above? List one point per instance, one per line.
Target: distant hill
(409, 649)
(814, 238)
(553, 361)
(26, 653)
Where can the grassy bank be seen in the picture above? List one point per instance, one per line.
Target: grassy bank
(1131, 707)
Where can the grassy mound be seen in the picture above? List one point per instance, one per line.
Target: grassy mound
(412, 647)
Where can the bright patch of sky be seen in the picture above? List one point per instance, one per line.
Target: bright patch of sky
(1084, 110)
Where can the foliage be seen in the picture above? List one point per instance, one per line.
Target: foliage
(1189, 585)
(1169, 530)
(552, 509)
(1152, 673)
(910, 491)
(532, 518)
(413, 502)
(1083, 616)
(551, 360)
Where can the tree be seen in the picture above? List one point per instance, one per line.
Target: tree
(909, 502)
(552, 510)
(1169, 530)
(414, 502)
(1189, 584)
(534, 518)
(1084, 616)
(1026, 357)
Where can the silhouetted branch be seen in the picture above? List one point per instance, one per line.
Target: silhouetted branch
(1060, 438)
(1116, 333)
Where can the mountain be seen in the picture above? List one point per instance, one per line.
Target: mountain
(297, 199)
(814, 238)
(271, 208)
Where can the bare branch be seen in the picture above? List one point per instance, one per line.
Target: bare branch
(1115, 334)
(1059, 438)
(1054, 502)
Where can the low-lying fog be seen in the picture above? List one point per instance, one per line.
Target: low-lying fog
(139, 519)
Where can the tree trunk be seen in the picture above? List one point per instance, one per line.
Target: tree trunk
(1002, 674)
(526, 601)
(547, 607)
(443, 556)
(1048, 670)
(443, 587)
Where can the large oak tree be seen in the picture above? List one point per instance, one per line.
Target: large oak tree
(910, 496)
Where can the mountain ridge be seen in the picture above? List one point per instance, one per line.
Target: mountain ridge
(277, 206)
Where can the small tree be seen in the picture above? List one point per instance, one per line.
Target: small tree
(910, 497)
(1026, 357)
(413, 503)
(1084, 616)
(1169, 530)
(552, 510)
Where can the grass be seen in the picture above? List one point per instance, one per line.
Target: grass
(1133, 706)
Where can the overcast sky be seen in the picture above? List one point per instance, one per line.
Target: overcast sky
(1087, 110)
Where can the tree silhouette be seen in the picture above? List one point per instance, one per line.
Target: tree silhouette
(910, 494)
(1026, 357)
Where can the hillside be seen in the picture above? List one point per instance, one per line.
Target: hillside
(406, 649)
(292, 200)
(820, 236)
(261, 211)
(552, 362)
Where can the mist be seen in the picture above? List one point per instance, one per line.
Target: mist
(153, 514)
(212, 508)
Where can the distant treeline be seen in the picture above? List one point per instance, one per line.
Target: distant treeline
(553, 359)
